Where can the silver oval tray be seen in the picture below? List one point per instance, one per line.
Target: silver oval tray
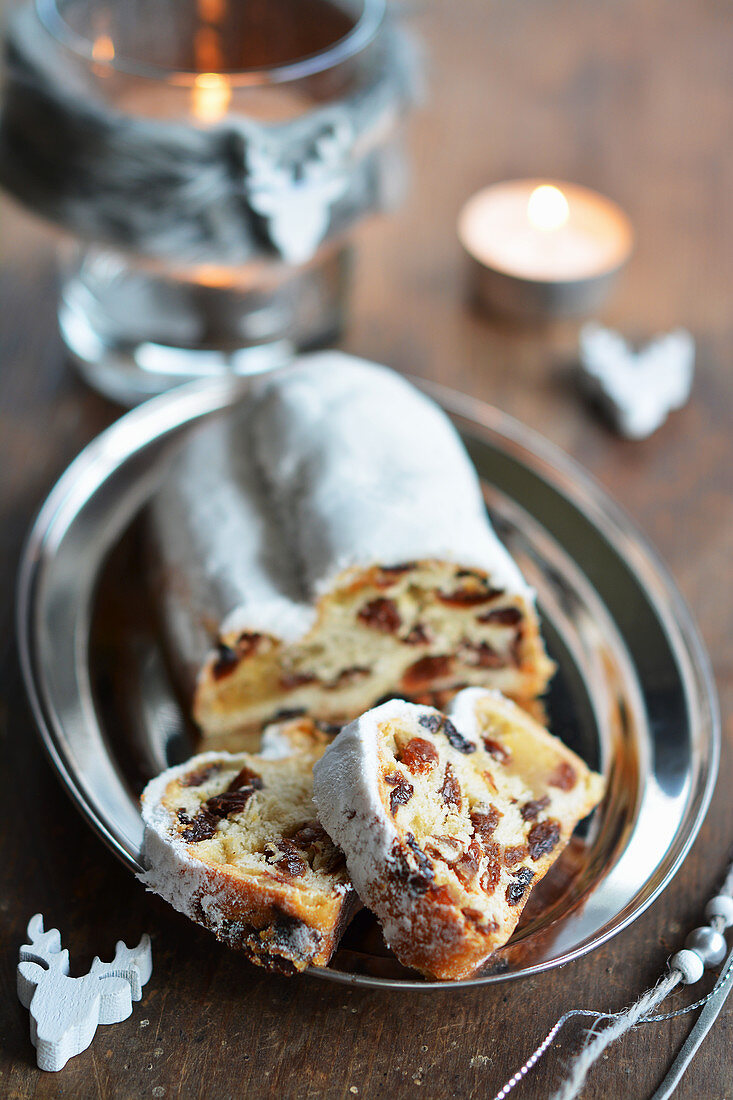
(633, 694)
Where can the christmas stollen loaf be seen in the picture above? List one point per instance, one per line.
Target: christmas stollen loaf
(232, 841)
(448, 822)
(324, 544)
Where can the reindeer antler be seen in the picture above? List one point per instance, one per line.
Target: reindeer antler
(45, 947)
(37, 958)
(134, 964)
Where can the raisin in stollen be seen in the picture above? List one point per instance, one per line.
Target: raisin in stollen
(448, 822)
(233, 842)
(332, 530)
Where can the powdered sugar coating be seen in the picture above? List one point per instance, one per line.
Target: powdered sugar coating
(275, 742)
(462, 710)
(349, 766)
(350, 808)
(172, 872)
(349, 449)
(295, 736)
(312, 474)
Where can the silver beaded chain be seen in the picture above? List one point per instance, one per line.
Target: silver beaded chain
(705, 949)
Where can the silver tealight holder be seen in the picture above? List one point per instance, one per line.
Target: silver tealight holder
(541, 250)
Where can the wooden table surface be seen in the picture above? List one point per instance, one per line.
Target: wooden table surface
(634, 98)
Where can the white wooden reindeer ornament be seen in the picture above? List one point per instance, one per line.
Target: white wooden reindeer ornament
(65, 1011)
(296, 199)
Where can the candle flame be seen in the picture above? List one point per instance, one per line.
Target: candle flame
(211, 96)
(103, 48)
(547, 207)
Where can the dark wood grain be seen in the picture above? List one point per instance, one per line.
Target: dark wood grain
(634, 98)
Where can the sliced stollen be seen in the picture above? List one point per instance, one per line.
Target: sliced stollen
(324, 544)
(447, 825)
(233, 842)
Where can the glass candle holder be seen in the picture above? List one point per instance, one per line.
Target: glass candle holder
(208, 159)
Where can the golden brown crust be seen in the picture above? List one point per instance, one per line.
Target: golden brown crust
(274, 928)
(446, 941)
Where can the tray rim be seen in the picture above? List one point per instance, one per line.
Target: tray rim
(159, 416)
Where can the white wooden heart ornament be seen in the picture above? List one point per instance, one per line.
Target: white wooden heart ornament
(638, 389)
(65, 1012)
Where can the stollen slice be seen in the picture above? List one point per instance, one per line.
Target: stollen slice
(233, 842)
(447, 823)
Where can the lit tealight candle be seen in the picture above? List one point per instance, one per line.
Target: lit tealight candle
(542, 249)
